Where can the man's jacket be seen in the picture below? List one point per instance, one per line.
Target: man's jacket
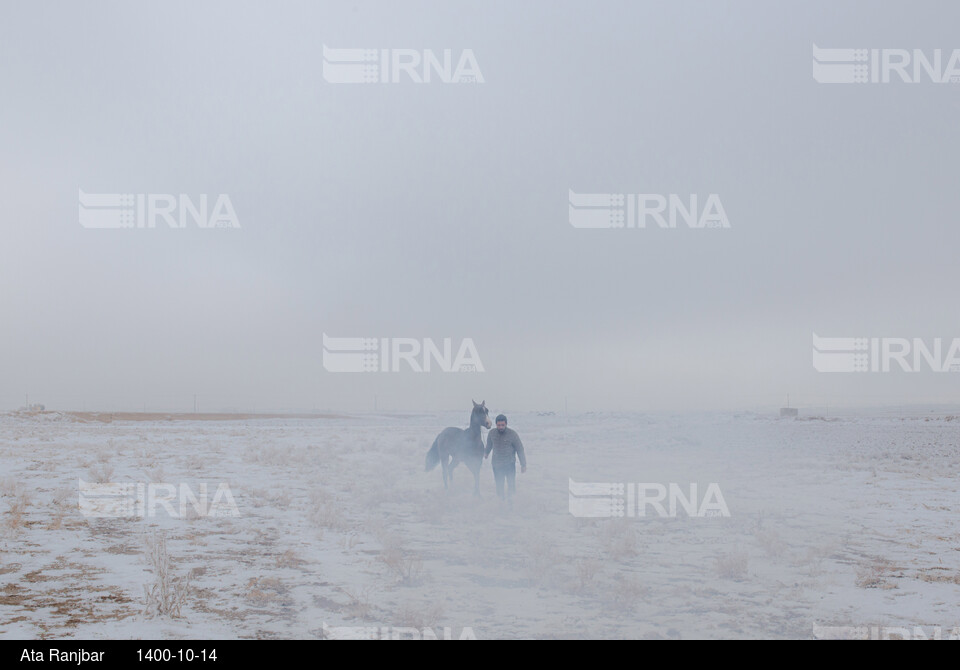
(506, 448)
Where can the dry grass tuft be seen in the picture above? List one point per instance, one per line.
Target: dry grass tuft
(167, 595)
(733, 565)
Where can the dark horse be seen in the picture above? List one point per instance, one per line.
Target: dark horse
(458, 445)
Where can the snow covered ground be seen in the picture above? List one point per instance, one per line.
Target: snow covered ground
(843, 521)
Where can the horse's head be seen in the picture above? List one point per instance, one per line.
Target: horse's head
(481, 415)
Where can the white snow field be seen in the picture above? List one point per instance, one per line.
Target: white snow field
(843, 521)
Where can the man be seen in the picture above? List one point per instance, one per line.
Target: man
(506, 447)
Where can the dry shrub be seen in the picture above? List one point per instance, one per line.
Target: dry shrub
(586, 571)
(289, 559)
(732, 565)
(620, 539)
(100, 473)
(406, 567)
(770, 541)
(627, 593)
(419, 616)
(874, 576)
(167, 595)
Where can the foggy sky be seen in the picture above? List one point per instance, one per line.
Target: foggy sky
(440, 210)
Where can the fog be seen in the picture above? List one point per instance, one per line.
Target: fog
(441, 210)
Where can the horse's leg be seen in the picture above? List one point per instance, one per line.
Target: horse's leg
(444, 467)
(454, 462)
(476, 483)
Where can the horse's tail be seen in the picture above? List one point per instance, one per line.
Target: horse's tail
(433, 456)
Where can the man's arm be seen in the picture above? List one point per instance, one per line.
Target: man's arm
(486, 452)
(518, 445)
